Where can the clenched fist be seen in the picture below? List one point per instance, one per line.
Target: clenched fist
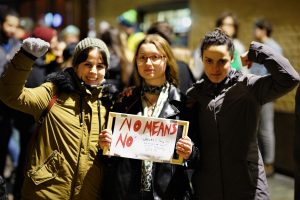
(35, 46)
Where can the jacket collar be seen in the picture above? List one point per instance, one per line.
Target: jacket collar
(171, 107)
(206, 86)
(67, 81)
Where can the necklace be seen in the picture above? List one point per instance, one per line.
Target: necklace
(151, 106)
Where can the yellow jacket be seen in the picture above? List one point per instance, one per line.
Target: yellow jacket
(62, 163)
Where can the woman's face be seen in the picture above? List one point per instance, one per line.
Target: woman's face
(228, 26)
(92, 70)
(151, 64)
(216, 61)
(10, 25)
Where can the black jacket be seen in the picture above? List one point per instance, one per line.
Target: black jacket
(230, 166)
(122, 176)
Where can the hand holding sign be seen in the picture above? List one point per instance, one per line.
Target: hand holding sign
(184, 147)
(105, 138)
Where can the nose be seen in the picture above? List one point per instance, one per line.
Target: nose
(148, 61)
(216, 68)
(94, 69)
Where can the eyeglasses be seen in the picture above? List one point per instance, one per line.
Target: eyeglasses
(155, 59)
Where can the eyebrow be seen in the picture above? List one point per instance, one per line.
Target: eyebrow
(89, 62)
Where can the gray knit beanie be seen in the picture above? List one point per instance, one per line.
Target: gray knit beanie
(90, 42)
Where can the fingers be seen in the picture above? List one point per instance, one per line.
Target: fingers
(127, 91)
(184, 147)
(245, 60)
(105, 138)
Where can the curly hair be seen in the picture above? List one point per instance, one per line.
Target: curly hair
(216, 37)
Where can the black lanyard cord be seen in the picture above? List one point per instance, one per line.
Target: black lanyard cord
(99, 114)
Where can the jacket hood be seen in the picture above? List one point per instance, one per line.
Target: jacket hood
(64, 80)
(68, 82)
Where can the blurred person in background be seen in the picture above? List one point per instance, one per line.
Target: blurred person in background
(70, 34)
(9, 23)
(41, 66)
(120, 69)
(266, 135)
(9, 44)
(68, 55)
(228, 22)
(165, 30)
(3, 193)
(56, 64)
(25, 28)
(196, 64)
(133, 35)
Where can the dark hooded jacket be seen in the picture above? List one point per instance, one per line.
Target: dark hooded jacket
(229, 165)
(297, 146)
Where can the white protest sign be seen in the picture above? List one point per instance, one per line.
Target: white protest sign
(144, 138)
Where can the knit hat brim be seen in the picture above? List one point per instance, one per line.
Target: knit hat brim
(90, 42)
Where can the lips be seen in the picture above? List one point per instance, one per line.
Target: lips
(149, 70)
(215, 74)
(91, 79)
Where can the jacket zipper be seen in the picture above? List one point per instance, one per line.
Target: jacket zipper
(220, 147)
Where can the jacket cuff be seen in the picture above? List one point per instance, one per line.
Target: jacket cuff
(27, 54)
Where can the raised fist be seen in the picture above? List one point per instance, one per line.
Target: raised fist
(35, 46)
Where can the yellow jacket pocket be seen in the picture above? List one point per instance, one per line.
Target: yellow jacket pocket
(48, 170)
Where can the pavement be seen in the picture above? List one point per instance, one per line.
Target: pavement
(281, 187)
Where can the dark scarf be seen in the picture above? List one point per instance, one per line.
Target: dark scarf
(152, 89)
